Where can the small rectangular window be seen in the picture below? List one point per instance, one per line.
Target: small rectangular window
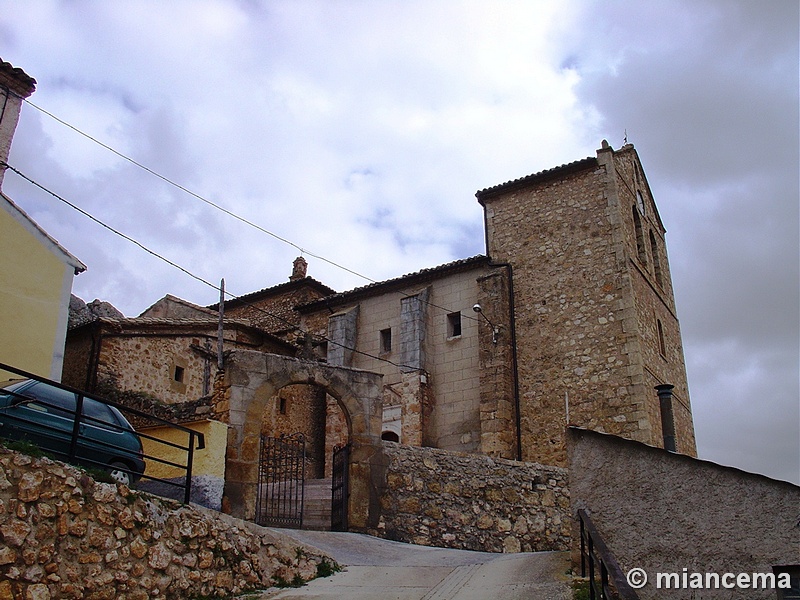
(282, 405)
(662, 346)
(454, 325)
(178, 375)
(386, 340)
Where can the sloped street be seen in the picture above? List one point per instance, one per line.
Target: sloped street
(376, 568)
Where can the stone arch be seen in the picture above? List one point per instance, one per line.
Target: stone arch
(253, 378)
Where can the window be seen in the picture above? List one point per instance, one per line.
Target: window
(454, 325)
(656, 261)
(99, 415)
(386, 340)
(57, 401)
(637, 224)
(640, 202)
(177, 374)
(390, 436)
(662, 346)
(282, 405)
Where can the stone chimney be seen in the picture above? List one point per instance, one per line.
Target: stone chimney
(15, 86)
(300, 266)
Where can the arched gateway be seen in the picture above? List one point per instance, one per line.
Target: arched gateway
(253, 378)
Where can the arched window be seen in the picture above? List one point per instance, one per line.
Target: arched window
(656, 260)
(390, 436)
(637, 224)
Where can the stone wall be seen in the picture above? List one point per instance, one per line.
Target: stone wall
(585, 309)
(65, 535)
(666, 512)
(454, 500)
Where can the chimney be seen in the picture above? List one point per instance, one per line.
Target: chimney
(667, 419)
(15, 86)
(300, 266)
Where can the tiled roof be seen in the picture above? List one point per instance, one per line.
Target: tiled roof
(21, 81)
(278, 289)
(380, 286)
(182, 302)
(120, 323)
(553, 173)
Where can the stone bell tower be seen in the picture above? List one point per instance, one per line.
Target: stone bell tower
(594, 312)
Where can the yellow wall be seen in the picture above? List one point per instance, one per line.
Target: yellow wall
(35, 284)
(208, 461)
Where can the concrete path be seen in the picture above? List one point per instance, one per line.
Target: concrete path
(380, 569)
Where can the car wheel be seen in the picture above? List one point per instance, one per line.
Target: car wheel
(119, 473)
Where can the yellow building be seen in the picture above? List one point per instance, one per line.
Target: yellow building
(35, 286)
(36, 272)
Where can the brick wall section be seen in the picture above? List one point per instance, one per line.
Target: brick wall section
(666, 512)
(66, 536)
(473, 502)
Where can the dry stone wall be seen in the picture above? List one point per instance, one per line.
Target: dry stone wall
(64, 535)
(473, 502)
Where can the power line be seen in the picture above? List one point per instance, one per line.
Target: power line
(198, 196)
(222, 208)
(197, 277)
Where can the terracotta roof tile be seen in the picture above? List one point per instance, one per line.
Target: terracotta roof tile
(553, 173)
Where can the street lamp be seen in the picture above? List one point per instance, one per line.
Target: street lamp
(495, 330)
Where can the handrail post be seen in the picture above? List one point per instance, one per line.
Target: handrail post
(583, 547)
(190, 459)
(76, 427)
(610, 571)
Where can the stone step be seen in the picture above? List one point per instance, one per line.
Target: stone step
(317, 504)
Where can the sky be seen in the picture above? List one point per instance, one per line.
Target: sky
(360, 131)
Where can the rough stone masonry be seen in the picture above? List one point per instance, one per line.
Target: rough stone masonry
(65, 535)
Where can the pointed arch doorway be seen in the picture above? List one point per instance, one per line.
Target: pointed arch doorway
(253, 380)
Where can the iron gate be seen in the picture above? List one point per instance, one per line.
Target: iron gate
(281, 478)
(340, 487)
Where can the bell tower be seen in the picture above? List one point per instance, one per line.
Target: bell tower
(594, 311)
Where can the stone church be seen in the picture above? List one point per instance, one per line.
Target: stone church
(569, 318)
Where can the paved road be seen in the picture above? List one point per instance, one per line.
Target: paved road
(380, 569)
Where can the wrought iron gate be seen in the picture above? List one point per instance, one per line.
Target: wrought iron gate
(281, 478)
(340, 487)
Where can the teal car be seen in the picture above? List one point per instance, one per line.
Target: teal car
(45, 415)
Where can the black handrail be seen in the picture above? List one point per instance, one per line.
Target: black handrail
(196, 440)
(594, 552)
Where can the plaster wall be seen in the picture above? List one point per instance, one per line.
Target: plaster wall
(451, 363)
(665, 512)
(35, 284)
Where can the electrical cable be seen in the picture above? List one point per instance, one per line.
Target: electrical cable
(222, 208)
(197, 277)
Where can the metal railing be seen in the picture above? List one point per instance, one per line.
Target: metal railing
(610, 582)
(77, 436)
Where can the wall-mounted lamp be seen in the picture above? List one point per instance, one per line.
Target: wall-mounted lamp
(495, 330)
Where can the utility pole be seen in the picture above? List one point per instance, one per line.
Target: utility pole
(220, 363)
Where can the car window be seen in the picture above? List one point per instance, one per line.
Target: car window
(97, 410)
(60, 402)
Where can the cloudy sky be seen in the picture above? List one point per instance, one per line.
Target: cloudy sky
(360, 131)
